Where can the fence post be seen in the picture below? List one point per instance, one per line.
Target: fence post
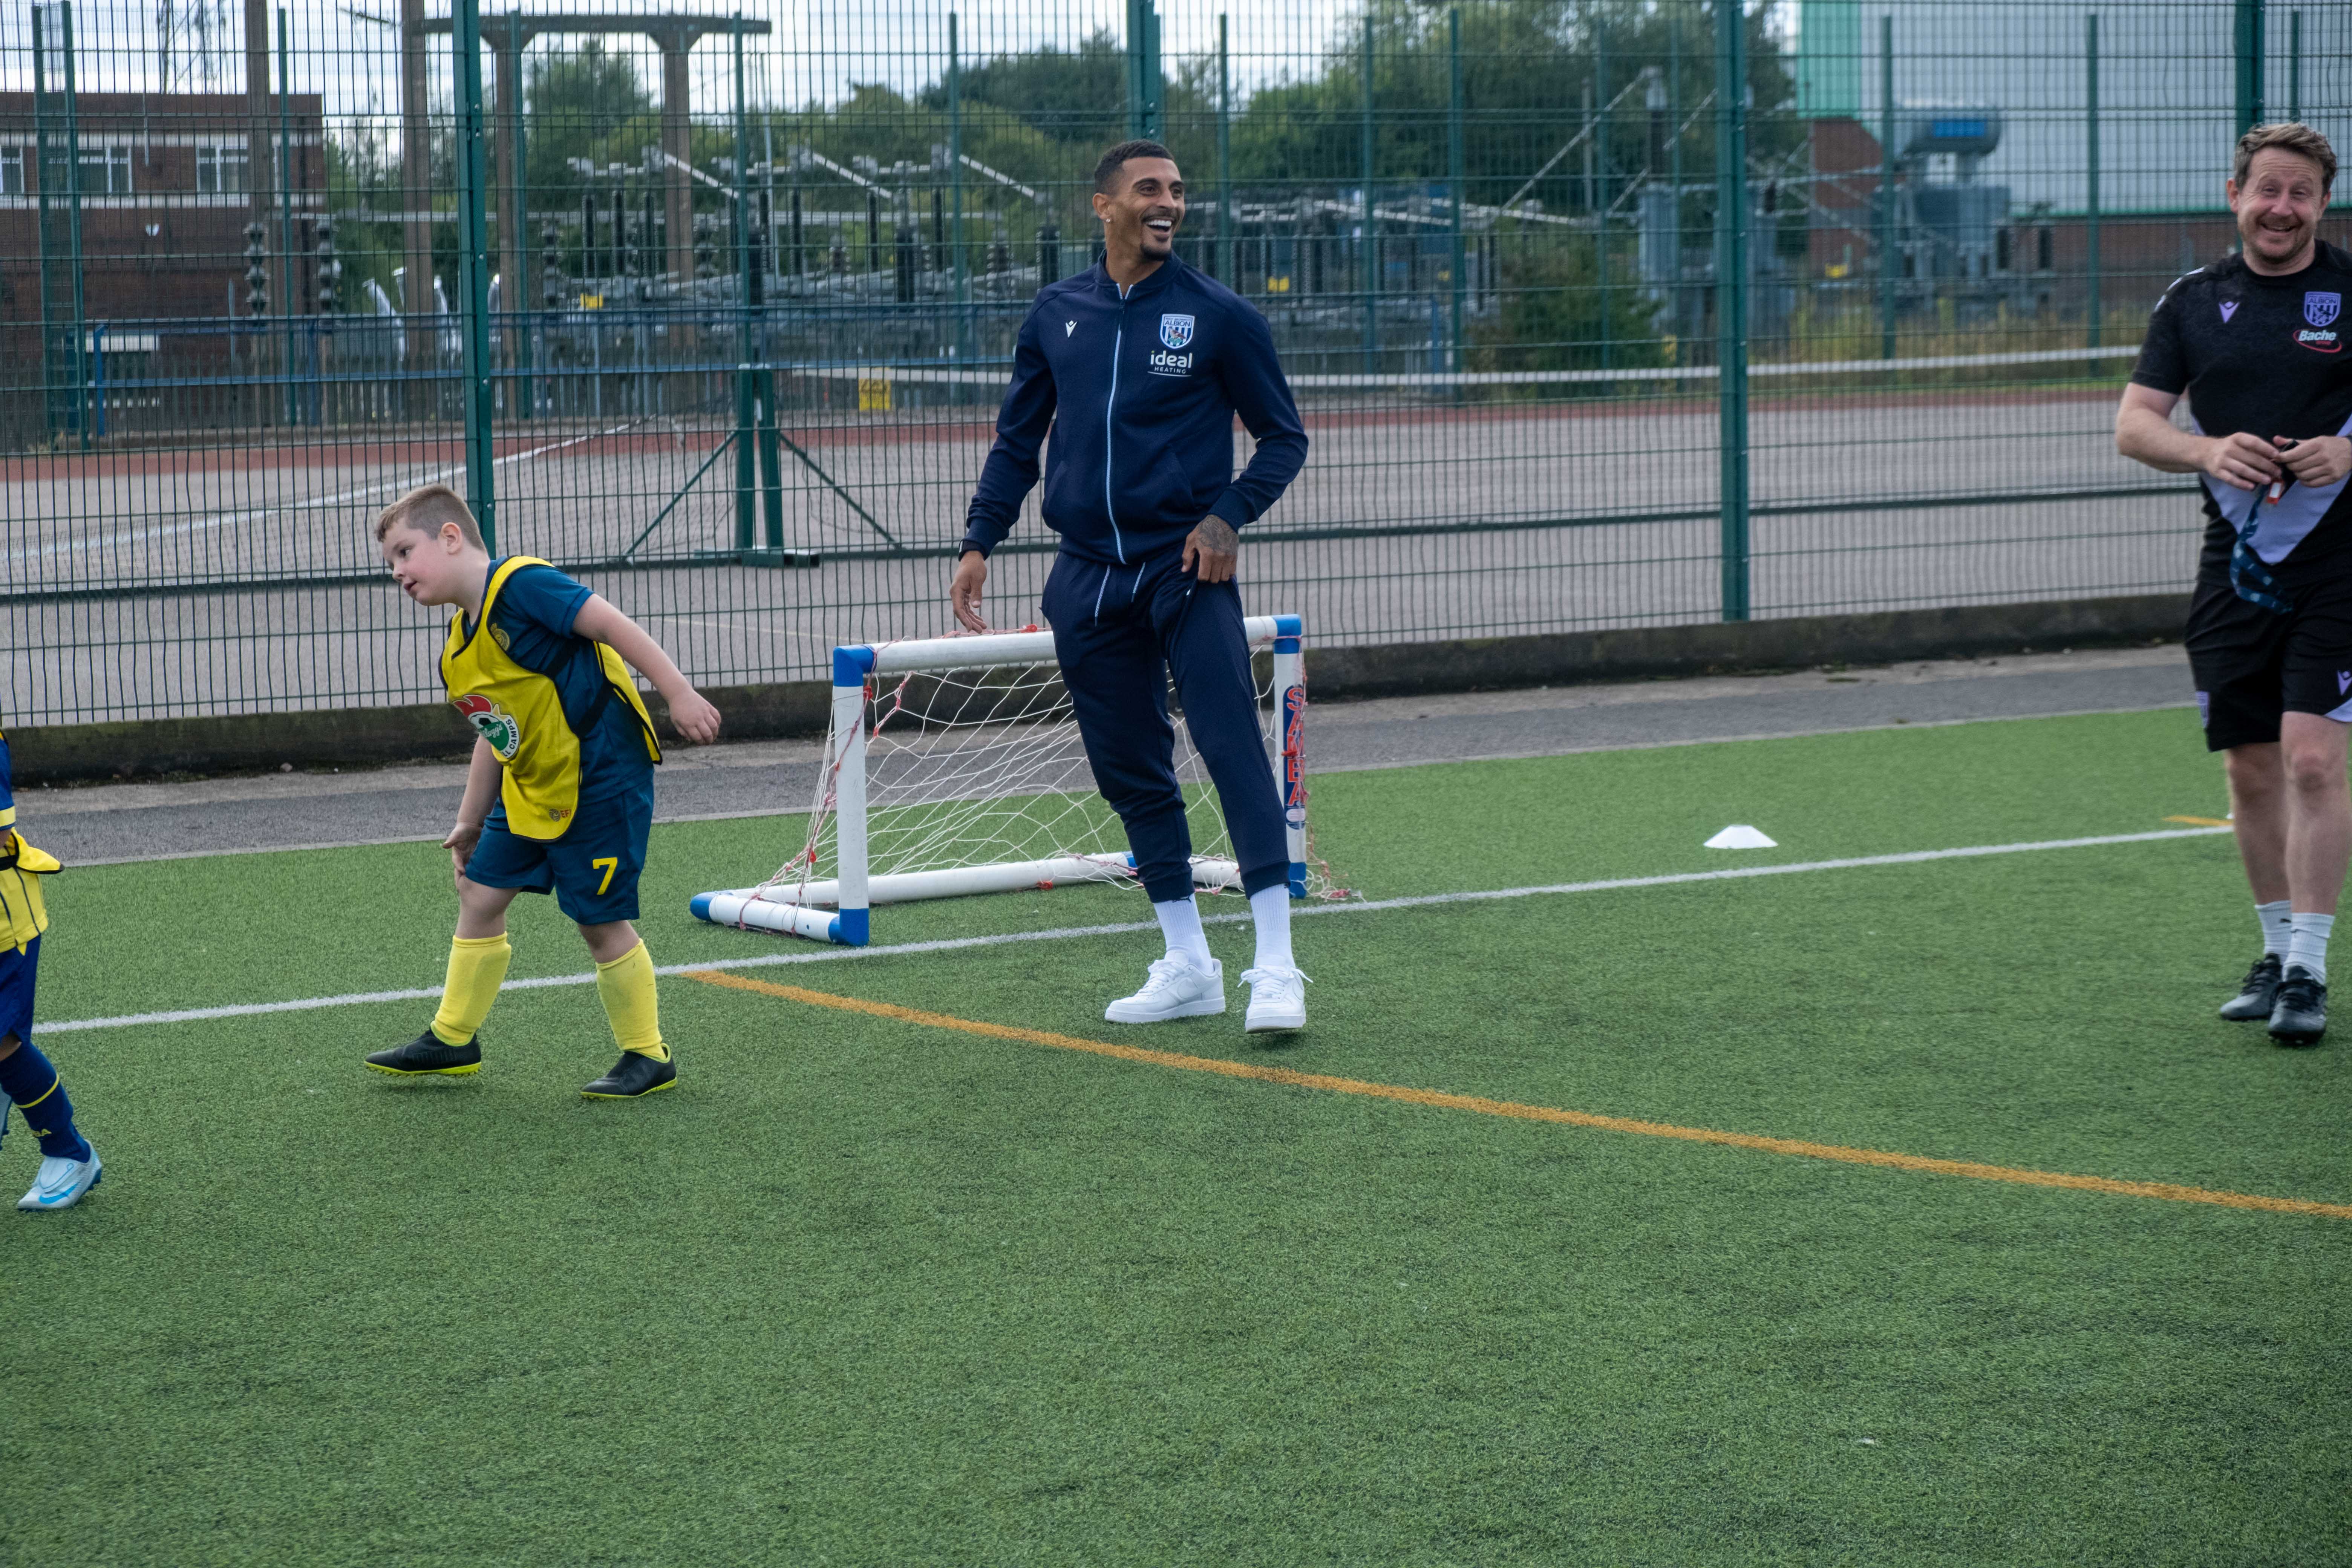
(473, 262)
(1457, 276)
(1675, 171)
(2091, 164)
(1226, 214)
(958, 256)
(2295, 65)
(1890, 270)
(286, 276)
(1368, 245)
(746, 389)
(516, 293)
(1142, 69)
(1600, 145)
(2248, 31)
(64, 350)
(1731, 297)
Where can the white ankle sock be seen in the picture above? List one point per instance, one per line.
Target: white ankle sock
(1270, 911)
(2309, 950)
(2278, 922)
(1180, 923)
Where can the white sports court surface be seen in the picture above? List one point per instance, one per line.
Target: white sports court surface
(1547, 488)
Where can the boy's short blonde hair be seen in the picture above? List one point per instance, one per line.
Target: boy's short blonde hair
(2287, 136)
(428, 509)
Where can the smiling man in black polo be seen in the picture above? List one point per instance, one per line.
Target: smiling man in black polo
(2257, 342)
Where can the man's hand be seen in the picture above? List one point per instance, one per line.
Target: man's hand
(964, 590)
(1209, 550)
(460, 845)
(2320, 460)
(2246, 461)
(691, 714)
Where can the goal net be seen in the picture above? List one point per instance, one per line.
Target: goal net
(954, 767)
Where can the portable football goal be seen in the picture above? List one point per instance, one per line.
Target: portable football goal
(953, 766)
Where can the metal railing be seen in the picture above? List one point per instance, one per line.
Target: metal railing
(1599, 316)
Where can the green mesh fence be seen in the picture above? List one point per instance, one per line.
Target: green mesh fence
(1601, 314)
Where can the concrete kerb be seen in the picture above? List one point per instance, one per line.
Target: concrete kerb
(365, 737)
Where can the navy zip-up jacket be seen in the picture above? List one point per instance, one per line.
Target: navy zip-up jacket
(1141, 392)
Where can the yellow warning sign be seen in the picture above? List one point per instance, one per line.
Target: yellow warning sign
(874, 394)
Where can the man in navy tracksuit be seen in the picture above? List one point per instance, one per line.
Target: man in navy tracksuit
(1138, 366)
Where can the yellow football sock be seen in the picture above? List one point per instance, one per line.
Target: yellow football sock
(476, 966)
(626, 986)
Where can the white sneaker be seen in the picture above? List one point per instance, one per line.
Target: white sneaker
(1176, 990)
(61, 1183)
(1277, 1000)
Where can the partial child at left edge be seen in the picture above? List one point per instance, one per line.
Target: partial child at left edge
(69, 1167)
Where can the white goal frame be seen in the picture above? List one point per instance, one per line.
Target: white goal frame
(796, 908)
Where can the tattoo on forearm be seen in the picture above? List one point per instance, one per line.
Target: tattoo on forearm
(1216, 533)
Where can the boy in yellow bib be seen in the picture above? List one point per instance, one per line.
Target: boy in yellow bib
(560, 794)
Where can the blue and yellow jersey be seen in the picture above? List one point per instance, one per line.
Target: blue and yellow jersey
(22, 867)
(561, 711)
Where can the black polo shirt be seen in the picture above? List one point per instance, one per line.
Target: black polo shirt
(2267, 356)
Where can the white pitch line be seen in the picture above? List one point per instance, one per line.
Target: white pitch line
(950, 944)
(300, 503)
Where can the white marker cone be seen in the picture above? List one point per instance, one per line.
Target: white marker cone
(1739, 836)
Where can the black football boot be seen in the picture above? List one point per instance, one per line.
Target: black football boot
(2256, 994)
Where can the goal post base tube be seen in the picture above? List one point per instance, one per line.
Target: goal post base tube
(1290, 747)
(738, 908)
(727, 907)
(851, 667)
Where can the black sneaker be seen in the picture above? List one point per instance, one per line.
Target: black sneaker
(633, 1076)
(427, 1053)
(2301, 1015)
(2256, 992)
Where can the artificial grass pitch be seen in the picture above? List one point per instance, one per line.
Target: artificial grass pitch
(864, 1291)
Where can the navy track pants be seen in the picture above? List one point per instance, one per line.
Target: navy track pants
(1119, 633)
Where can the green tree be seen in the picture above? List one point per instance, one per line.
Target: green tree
(584, 103)
(1073, 95)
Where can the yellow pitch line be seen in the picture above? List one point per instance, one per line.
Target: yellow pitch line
(2203, 821)
(2165, 1191)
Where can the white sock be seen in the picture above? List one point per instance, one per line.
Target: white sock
(1180, 923)
(2309, 950)
(2278, 921)
(1270, 911)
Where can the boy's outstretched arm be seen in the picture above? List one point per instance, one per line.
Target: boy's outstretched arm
(696, 719)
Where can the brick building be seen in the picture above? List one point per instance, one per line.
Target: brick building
(167, 186)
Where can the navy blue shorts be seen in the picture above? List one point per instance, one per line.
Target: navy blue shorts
(17, 972)
(591, 869)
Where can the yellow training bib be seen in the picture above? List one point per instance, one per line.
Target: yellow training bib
(22, 867)
(521, 713)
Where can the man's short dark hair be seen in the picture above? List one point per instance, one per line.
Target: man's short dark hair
(2288, 136)
(1107, 172)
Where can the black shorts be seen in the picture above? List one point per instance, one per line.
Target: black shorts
(2252, 665)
